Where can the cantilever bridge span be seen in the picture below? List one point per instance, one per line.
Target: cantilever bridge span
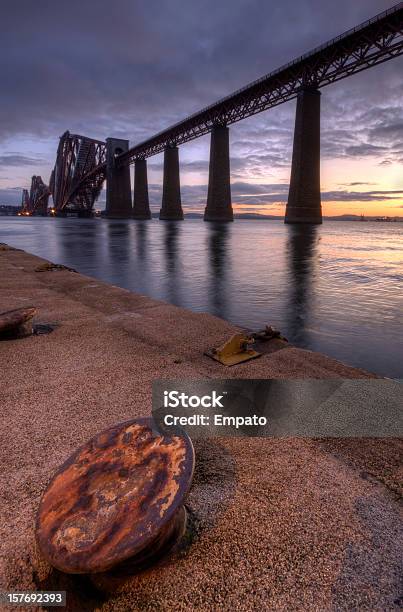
(79, 173)
(82, 164)
(35, 201)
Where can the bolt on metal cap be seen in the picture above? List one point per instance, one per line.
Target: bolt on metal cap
(117, 498)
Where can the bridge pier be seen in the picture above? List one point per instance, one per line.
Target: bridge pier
(219, 206)
(304, 203)
(118, 190)
(141, 205)
(171, 209)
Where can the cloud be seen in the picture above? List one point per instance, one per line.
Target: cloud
(245, 189)
(361, 196)
(364, 149)
(17, 160)
(355, 184)
(375, 133)
(254, 194)
(129, 70)
(11, 195)
(388, 131)
(185, 166)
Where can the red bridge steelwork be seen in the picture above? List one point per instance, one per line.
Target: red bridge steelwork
(36, 200)
(79, 173)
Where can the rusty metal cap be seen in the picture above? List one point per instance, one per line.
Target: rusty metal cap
(12, 319)
(113, 497)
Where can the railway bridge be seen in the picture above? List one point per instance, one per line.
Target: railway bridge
(83, 164)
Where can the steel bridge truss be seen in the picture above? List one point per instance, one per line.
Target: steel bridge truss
(79, 173)
(371, 43)
(36, 200)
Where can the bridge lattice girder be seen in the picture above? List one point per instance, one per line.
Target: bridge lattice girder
(79, 173)
(371, 43)
(36, 200)
(25, 200)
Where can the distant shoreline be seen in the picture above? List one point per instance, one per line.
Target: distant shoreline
(6, 212)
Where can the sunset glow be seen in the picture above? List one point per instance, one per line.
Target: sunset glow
(361, 117)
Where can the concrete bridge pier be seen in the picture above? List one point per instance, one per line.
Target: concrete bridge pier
(219, 206)
(171, 209)
(304, 203)
(141, 205)
(118, 190)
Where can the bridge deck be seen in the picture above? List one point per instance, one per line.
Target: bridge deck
(373, 42)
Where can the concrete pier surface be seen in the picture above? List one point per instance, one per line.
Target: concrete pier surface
(304, 199)
(171, 207)
(118, 191)
(275, 524)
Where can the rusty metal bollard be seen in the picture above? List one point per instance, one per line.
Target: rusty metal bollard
(119, 498)
(16, 323)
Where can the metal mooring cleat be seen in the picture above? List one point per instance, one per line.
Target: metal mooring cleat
(268, 333)
(117, 500)
(235, 350)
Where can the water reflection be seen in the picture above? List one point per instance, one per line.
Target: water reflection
(84, 241)
(118, 251)
(218, 236)
(302, 258)
(118, 234)
(250, 273)
(173, 281)
(141, 242)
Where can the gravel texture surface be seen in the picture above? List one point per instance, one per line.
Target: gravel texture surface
(275, 524)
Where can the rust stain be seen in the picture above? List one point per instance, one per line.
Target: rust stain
(113, 497)
(13, 318)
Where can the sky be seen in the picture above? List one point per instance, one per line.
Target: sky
(131, 68)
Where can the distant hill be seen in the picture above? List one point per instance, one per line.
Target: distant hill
(260, 217)
(12, 210)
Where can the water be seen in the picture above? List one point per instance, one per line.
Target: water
(336, 288)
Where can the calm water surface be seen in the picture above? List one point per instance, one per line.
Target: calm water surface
(336, 288)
